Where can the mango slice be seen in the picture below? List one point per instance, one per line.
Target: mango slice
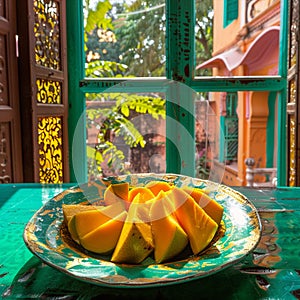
(145, 194)
(157, 186)
(210, 206)
(143, 212)
(69, 210)
(169, 237)
(158, 218)
(198, 225)
(87, 221)
(104, 238)
(116, 192)
(72, 229)
(135, 242)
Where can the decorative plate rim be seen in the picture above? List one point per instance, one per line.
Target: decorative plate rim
(44, 240)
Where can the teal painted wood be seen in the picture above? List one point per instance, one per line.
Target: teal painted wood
(222, 140)
(271, 130)
(180, 105)
(133, 85)
(231, 10)
(198, 84)
(283, 39)
(282, 168)
(77, 132)
(241, 83)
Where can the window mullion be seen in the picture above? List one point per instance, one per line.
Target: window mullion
(180, 53)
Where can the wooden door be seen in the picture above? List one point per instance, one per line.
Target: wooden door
(10, 137)
(43, 86)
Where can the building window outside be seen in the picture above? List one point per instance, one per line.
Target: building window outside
(229, 126)
(231, 9)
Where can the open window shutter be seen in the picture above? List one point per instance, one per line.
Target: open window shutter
(44, 89)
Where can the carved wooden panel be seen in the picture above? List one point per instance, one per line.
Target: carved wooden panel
(44, 110)
(293, 106)
(50, 150)
(47, 34)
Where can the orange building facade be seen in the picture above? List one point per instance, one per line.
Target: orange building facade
(246, 43)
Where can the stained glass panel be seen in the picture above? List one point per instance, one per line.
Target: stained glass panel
(292, 136)
(47, 34)
(294, 31)
(48, 91)
(50, 150)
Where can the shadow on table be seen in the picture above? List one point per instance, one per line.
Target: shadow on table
(36, 280)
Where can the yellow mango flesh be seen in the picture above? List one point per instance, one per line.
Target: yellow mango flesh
(87, 221)
(157, 186)
(210, 206)
(143, 211)
(198, 225)
(69, 210)
(135, 242)
(117, 192)
(162, 220)
(145, 194)
(104, 238)
(169, 237)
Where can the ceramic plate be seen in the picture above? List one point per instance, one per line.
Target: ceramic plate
(47, 238)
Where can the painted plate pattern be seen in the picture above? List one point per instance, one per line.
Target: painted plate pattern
(46, 236)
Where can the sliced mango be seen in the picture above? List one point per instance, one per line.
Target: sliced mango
(157, 186)
(210, 206)
(72, 229)
(87, 221)
(69, 210)
(143, 212)
(104, 238)
(169, 237)
(198, 225)
(116, 192)
(158, 217)
(135, 242)
(145, 194)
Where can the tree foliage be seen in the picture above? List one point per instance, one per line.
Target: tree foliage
(138, 27)
(204, 32)
(116, 121)
(129, 40)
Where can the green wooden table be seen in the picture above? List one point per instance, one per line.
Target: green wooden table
(272, 271)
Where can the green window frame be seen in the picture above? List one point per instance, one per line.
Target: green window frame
(180, 66)
(231, 11)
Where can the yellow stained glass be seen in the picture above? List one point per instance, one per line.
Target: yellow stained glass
(50, 150)
(292, 138)
(48, 91)
(47, 33)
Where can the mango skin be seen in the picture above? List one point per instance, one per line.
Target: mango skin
(136, 241)
(134, 245)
